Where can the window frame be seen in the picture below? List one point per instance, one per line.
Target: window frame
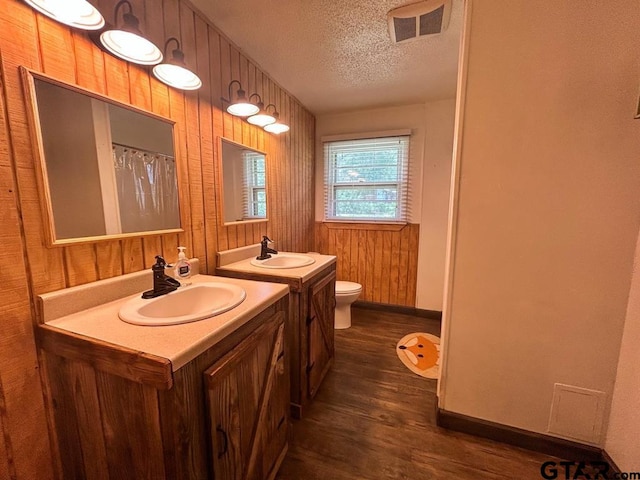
(332, 147)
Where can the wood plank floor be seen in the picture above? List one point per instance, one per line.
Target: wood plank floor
(374, 419)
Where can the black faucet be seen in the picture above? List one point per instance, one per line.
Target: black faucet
(162, 283)
(265, 250)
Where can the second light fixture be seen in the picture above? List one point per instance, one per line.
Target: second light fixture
(255, 113)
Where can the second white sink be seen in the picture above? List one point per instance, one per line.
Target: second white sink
(187, 304)
(284, 260)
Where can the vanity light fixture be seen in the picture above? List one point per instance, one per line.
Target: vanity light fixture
(242, 107)
(74, 13)
(127, 41)
(277, 127)
(175, 72)
(263, 117)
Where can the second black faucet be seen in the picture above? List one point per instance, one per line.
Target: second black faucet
(265, 251)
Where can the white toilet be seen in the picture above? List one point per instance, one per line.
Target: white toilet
(346, 294)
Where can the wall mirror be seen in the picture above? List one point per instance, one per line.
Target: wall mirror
(106, 170)
(244, 183)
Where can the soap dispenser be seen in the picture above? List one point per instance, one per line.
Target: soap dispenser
(183, 267)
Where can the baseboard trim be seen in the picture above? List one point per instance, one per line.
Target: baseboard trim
(607, 458)
(538, 442)
(385, 307)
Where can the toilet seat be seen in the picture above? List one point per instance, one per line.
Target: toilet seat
(343, 287)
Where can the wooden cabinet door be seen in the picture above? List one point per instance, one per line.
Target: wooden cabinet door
(320, 324)
(248, 402)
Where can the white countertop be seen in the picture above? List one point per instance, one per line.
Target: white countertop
(177, 343)
(303, 273)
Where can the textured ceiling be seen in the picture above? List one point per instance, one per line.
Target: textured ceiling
(336, 55)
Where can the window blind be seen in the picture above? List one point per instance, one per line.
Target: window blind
(367, 179)
(255, 195)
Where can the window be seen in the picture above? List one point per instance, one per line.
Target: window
(366, 179)
(255, 195)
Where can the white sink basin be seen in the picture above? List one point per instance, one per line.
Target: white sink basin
(187, 304)
(284, 260)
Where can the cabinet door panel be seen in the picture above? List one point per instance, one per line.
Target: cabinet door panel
(241, 424)
(320, 330)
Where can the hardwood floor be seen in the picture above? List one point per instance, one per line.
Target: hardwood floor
(374, 419)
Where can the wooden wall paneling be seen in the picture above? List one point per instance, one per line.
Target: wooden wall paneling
(80, 264)
(363, 261)
(234, 65)
(354, 252)
(192, 124)
(217, 91)
(207, 141)
(341, 236)
(154, 27)
(306, 226)
(298, 202)
(283, 200)
(6, 467)
(19, 45)
(23, 422)
(89, 62)
(152, 246)
(394, 271)
(109, 258)
(403, 275)
(371, 261)
(132, 255)
(56, 48)
(414, 232)
(285, 145)
(385, 257)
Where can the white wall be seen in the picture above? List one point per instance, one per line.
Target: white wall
(431, 146)
(622, 442)
(547, 210)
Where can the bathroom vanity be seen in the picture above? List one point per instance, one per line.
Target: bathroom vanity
(310, 327)
(207, 399)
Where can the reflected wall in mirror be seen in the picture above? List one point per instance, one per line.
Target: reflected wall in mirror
(244, 183)
(106, 169)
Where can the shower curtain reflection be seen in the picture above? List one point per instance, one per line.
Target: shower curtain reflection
(147, 189)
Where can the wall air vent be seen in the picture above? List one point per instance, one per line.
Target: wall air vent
(417, 20)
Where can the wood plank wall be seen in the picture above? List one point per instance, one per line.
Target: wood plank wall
(32, 40)
(381, 258)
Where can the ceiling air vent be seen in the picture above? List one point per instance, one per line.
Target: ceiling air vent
(416, 20)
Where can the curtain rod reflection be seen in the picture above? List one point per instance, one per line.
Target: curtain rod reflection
(138, 149)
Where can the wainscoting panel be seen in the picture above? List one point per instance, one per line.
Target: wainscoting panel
(382, 258)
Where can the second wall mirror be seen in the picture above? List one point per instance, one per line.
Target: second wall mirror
(244, 183)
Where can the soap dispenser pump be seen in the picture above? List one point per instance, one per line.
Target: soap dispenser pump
(183, 267)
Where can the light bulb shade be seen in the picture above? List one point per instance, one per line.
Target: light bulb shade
(177, 76)
(242, 108)
(261, 119)
(74, 13)
(131, 47)
(277, 128)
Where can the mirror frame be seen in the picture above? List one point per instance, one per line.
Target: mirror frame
(221, 183)
(28, 81)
